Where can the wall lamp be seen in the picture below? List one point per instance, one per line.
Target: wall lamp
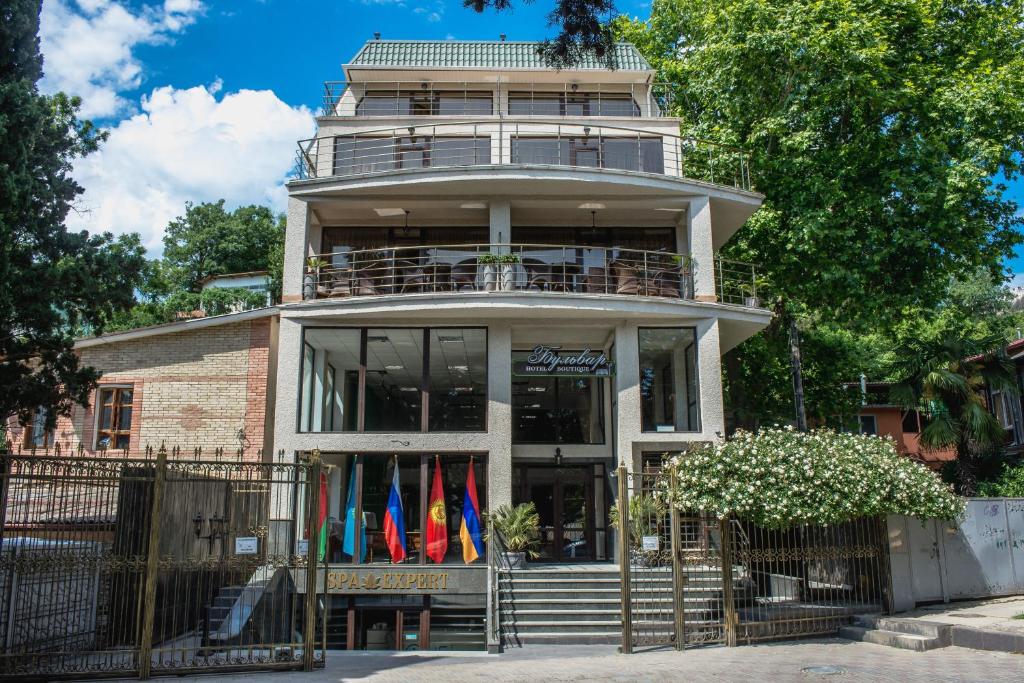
(558, 457)
(216, 524)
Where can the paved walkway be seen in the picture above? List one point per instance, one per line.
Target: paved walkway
(784, 661)
(996, 614)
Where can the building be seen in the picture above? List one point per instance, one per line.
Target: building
(879, 416)
(257, 281)
(492, 264)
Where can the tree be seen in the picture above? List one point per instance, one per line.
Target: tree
(944, 374)
(52, 282)
(209, 240)
(875, 129)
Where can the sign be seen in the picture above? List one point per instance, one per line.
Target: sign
(388, 581)
(302, 546)
(650, 543)
(246, 545)
(398, 580)
(551, 361)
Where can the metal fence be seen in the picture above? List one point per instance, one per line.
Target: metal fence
(691, 578)
(156, 565)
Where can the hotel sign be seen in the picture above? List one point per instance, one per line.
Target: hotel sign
(384, 579)
(551, 361)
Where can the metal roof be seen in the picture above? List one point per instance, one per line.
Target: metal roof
(487, 54)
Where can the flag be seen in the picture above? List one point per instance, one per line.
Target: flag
(321, 521)
(394, 520)
(469, 532)
(348, 544)
(437, 520)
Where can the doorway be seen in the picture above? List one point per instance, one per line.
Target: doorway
(565, 501)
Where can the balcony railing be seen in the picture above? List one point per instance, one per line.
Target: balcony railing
(510, 268)
(489, 143)
(465, 98)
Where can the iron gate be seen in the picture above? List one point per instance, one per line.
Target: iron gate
(156, 565)
(689, 578)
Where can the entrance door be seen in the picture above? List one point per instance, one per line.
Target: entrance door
(565, 503)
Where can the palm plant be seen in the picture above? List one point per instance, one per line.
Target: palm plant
(945, 377)
(519, 528)
(646, 515)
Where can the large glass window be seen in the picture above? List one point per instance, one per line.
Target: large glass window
(425, 103)
(668, 379)
(554, 410)
(114, 419)
(628, 154)
(394, 380)
(354, 155)
(571, 104)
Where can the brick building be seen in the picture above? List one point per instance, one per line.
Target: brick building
(195, 383)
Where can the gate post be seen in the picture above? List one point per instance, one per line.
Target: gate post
(678, 577)
(729, 604)
(152, 565)
(312, 557)
(624, 579)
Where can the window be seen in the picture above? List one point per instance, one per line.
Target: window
(868, 424)
(668, 379)
(114, 418)
(354, 155)
(394, 380)
(628, 154)
(425, 103)
(36, 434)
(911, 422)
(571, 104)
(556, 410)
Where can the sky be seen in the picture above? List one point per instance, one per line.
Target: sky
(205, 99)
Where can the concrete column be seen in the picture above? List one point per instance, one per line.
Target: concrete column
(296, 248)
(500, 222)
(709, 361)
(289, 363)
(627, 392)
(702, 249)
(499, 415)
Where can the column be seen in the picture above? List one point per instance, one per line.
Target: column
(627, 392)
(702, 249)
(295, 249)
(500, 223)
(709, 361)
(499, 415)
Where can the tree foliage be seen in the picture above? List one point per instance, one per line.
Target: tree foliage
(53, 282)
(780, 477)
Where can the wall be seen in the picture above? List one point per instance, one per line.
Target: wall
(193, 388)
(889, 421)
(980, 556)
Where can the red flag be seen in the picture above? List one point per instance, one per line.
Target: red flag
(437, 519)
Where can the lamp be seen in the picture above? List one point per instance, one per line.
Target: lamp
(216, 524)
(558, 457)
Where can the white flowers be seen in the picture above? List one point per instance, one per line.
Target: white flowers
(778, 476)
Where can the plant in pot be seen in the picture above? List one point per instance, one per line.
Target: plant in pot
(489, 269)
(508, 264)
(646, 515)
(749, 292)
(519, 529)
(311, 279)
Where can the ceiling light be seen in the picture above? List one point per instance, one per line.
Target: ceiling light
(394, 367)
(409, 388)
(538, 390)
(473, 205)
(377, 338)
(669, 209)
(459, 368)
(448, 340)
(390, 212)
(463, 388)
(591, 206)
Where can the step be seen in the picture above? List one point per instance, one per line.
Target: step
(903, 641)
(564, 637)
(929, 629)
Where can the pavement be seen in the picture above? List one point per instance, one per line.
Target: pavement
(826, 659)
(995, 614)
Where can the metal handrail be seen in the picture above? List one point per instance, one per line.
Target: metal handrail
(575, 269)
(455, 98)
(531, 142)
(496, 562)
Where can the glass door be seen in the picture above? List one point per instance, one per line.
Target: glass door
(564, 500)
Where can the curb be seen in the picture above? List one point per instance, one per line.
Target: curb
(981, 639)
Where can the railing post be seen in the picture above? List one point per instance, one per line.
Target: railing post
(678, 577)
(152, 565)
(624, 569)
(729, 608)
(312, 557)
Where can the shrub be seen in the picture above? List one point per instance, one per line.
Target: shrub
(1009, 484)
(778, 477)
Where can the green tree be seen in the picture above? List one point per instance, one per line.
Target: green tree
(53, 283)
(209, 240)
(873, 128)
(944, 373)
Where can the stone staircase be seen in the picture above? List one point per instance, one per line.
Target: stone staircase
(582, 603)
(905, 634)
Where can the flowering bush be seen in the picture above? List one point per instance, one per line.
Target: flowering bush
(777, 477)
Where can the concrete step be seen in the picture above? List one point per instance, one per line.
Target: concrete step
(611, 637)
(903, 641)
(929, 629)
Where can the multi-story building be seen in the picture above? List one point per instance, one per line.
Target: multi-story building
(495, 265)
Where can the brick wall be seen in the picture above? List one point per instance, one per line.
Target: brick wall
(203, 388)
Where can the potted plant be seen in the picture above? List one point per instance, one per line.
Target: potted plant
(311, 279)
(489, 269)
(519, 529)
(646, 515)
(508, 263)
(749, 292)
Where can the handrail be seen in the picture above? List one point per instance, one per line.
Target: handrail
(496, 562)
(501, 98)
(529, 141)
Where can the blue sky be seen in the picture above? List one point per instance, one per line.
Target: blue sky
(205, 99)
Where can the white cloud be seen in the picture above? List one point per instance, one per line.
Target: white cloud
(188, 145)
(88, 47)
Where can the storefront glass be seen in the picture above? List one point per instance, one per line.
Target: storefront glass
(668, 379)
(556, 410)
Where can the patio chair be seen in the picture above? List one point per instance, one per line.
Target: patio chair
(463, 275)
(596, 281)
(625, 277)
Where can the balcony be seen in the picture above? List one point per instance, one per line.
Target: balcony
(538, 144)
(441, 269)
(417, 98)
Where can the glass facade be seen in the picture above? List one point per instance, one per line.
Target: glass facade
(394, 380)
(557, 410)
(668, 379)
(627, 154)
